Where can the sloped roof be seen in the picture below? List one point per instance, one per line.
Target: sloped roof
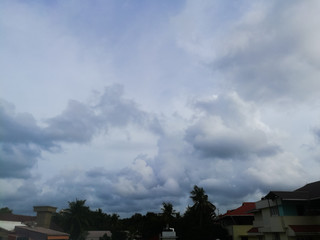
(16, 218)
(244, 210)
(9, 225)
(312, 188)
(46, 231)
(253, 230)
(307, 192)
(295, 195)
(305, 228)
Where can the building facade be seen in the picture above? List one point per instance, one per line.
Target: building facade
(238, 222)
(288, 215)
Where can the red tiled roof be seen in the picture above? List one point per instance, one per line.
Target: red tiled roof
(16, 218)
(241, 211)
(305, 228)
(253, 230)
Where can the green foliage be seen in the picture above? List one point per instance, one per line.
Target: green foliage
(198, 220)
(77, 219)
(196, 223)
(5, 210)
(168, 213)
(119, 235)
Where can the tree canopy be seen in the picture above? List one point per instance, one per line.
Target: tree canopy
(196, 223)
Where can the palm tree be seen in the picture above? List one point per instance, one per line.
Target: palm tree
(168, 213)
(203, 209)
(77, 218)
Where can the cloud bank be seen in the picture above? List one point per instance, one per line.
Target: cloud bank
(130, 105)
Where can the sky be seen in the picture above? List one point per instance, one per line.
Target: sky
(128, 104)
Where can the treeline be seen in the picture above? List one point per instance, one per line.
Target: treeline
(196, 223)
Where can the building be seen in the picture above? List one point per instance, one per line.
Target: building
(288, 215)
(37, 233)
(21, 227)
(238, 221)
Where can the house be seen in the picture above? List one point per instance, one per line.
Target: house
(37, 233)
(14, 227)
(288, 215)
(238, 221)
(7, 228)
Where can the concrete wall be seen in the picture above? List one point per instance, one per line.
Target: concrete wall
(241, 230)
(44, 214)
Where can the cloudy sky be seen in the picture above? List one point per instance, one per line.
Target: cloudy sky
(128, 104)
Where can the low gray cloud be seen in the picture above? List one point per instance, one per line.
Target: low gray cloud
(229, 129)
(17, 160)
(77, 123)
(23, 139)
(20, 128)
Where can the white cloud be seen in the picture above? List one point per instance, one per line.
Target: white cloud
(262, 52)
(160, 97)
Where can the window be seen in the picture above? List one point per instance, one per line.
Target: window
(274, 211)
(300, 210)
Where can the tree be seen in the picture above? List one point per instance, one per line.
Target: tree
(99, 220)
(77, 219)
(168, 213)
(198, 219)
(5, 210)
(202, 207)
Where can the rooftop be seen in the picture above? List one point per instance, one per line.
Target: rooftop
(308, 192)
(9, 225)
(16, 218)
(42, 230)
(244, 210)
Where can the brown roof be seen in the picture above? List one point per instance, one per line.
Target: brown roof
(308, 192)
(305, 228)
(253, 230)
(312, 188)
(46, 231)
(16, 218)
(295, 195)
